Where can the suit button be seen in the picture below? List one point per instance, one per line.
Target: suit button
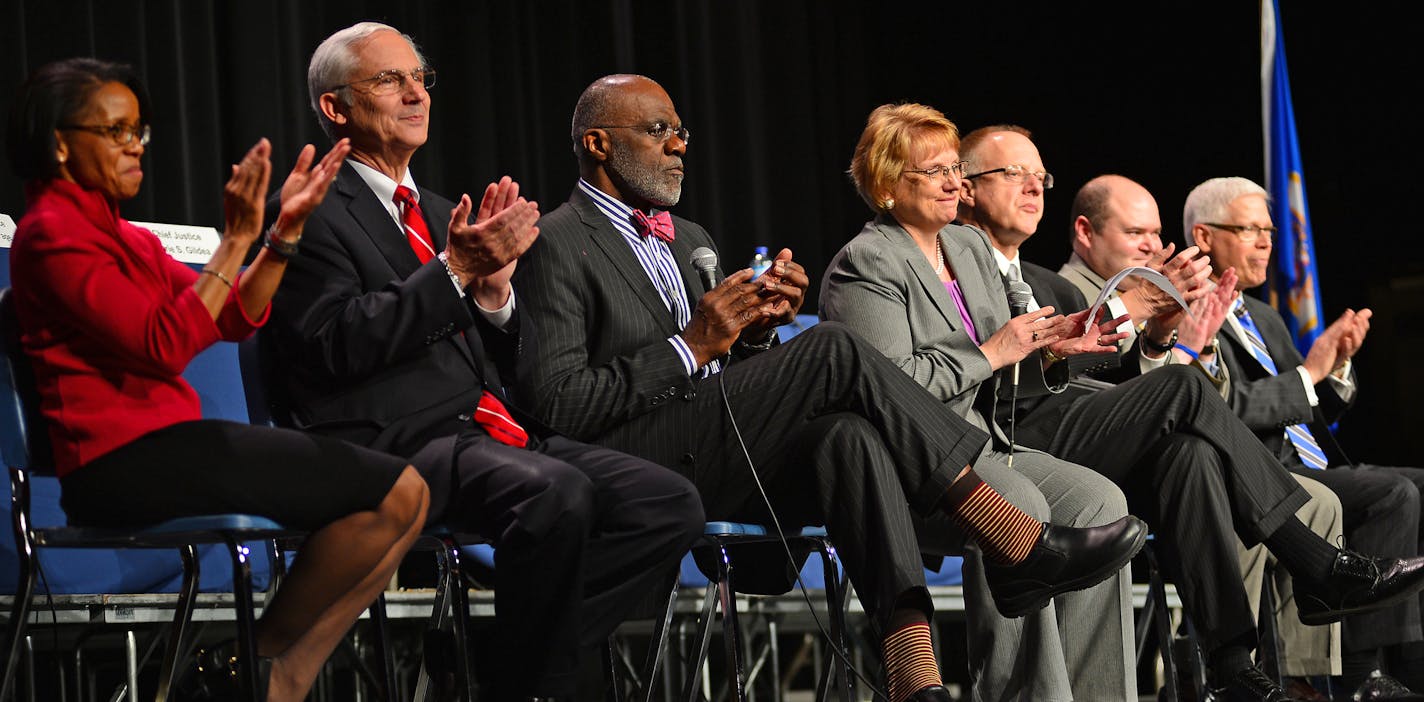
(463, 417)
(688, 459)
(689, 395)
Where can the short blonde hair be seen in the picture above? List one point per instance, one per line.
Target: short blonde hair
(884, 148)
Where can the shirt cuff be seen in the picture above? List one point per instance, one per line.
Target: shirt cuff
(684, 352)
(1146, 364)
(1309, 386)
(500, 317)
(1344, 387)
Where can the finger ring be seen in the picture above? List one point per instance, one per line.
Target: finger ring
(1035, 336)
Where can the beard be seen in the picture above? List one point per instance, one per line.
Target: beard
(647, 182)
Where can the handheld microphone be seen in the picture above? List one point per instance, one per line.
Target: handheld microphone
(705, 261)
(1020, 295)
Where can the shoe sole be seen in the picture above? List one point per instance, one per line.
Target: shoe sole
(1013, 608)
(1330, 616)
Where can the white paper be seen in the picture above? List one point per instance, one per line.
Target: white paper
(1147, 275)
(7, 230)
(183, 242)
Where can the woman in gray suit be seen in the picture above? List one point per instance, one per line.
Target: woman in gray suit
(915, 286)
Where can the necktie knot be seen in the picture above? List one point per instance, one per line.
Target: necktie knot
(405, 198)
(658, 225)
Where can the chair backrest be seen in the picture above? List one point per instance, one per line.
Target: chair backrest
(24, 436)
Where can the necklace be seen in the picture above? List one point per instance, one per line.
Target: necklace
(939, 257)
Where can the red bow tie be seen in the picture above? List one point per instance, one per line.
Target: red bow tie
(658, 225)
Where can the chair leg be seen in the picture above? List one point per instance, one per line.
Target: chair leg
(657, 642)
(731, 630)
(246, 618)
(379, 632)
(836, 592)
(438, 618)
(704, 637)
(461, 600)
(176, 650)
(25, 583)
(1163, 625)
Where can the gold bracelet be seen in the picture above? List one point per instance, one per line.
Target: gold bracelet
(1049, 356)
(216, 274)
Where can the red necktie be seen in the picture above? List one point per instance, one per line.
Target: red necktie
(658, 225)
(492, 415)
(414, 224)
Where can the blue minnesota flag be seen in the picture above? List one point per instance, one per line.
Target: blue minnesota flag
(1292, 284)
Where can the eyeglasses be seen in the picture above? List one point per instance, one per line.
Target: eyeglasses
(660, 131)
(392, 81)
(120, 134)
(1016, 173)
(941, 172)
(1248, 233)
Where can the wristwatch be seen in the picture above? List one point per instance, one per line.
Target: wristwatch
(278, 245)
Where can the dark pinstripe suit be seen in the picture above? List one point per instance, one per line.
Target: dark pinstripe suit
(373, 347)
(838, 435)
(1381, 503)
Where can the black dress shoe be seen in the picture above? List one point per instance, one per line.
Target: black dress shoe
(1358, 583)
(933, 693)
(1063, 560)
(1251, 685)
(1379, 686)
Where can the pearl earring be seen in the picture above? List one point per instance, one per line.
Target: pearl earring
(889, 204)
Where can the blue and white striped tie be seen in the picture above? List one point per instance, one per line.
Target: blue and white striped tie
(1298, 434)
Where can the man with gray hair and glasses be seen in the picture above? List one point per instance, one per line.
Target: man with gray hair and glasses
(391, 326)
(1290, 401)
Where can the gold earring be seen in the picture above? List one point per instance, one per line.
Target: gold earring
(889, 204)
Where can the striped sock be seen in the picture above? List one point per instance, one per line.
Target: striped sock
(910, 664)
(1004, 532)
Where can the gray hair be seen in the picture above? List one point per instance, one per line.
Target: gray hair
(1208, 202)
(335, 60)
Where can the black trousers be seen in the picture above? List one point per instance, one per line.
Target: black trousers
(1192, 470)
(581, 535)
(838, 436)
(1381, 506)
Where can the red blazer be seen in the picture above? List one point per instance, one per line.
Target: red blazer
(109, 321)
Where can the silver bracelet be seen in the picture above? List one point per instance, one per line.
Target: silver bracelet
(445, 260)
(275, 244)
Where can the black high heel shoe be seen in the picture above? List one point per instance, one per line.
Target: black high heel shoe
(213, 675)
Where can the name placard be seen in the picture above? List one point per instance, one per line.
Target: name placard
(184, 242)
(7, 230)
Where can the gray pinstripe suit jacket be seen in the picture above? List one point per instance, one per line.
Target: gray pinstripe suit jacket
(881, 285)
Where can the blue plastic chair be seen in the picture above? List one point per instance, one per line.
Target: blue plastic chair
(24, 443)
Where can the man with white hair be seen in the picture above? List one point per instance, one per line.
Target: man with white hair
(391, 325)
(1289, 401)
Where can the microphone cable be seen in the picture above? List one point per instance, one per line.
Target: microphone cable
(785, 545)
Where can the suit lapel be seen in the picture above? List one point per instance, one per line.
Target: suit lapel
(615, 250)
(922, 270)
(691, 282)
(374, 219)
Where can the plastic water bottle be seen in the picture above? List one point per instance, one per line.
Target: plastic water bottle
(760, 262)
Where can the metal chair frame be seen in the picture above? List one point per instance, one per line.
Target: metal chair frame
(26, 451)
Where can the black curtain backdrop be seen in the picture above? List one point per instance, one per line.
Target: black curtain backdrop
(776, 93)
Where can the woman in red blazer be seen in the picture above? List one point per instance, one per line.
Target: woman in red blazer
(110, 321)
